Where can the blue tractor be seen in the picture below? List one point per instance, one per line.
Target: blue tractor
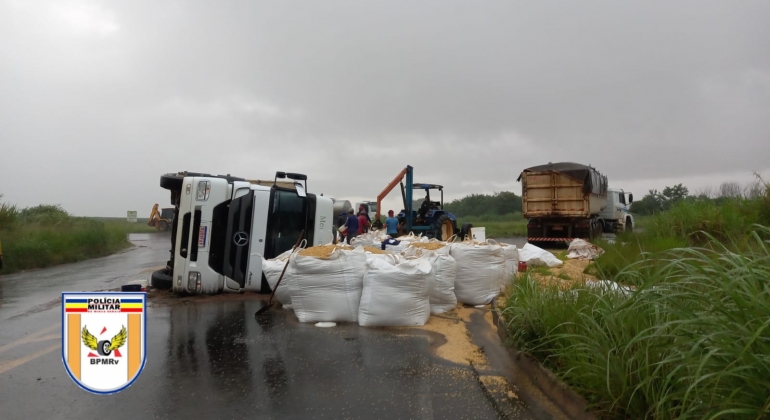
(429, 218)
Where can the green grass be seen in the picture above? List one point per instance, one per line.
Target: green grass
(44, 236)
(692, 342)
(511, 225)
(688, 223)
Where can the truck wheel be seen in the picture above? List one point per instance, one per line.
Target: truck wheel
(171, 182)
(160, 279)
(466, 231)
(443, 228)
(162, 226)
(629, 226)
(103, 348)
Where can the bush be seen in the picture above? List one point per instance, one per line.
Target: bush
(692, 341)
(47, 235)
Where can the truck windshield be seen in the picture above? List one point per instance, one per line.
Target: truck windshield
(286, 220)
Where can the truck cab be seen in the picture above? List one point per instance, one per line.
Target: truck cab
(370, 207)
(225, 225)
(616, 216)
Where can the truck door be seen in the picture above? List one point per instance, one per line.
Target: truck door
(238, 239)
(287, 218)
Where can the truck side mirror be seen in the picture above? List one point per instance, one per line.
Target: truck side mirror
(630, 198)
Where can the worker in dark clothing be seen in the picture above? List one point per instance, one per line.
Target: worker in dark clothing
(340, 223)
(352, 224)
(424, 207)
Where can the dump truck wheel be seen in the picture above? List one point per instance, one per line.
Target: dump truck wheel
(162, 226)
(629, 226)
(103, 348)
(161, 280)
(466, 231)
(171, 182)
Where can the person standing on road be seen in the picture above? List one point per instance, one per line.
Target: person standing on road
(391, 223)
(363, 223)
(352, 224)
(340, 223)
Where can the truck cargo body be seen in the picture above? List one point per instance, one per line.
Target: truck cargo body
(563, 201)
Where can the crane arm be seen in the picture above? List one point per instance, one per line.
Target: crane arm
(388, 189)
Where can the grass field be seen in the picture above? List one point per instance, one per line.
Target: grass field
(691, 339)
(44, 236)
(512, 225)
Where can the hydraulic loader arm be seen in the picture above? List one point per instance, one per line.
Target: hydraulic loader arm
(154, 214)
(389, 188)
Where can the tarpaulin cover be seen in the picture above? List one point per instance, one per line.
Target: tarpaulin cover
(593, 181)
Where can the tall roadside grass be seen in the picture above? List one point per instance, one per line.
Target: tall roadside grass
(499, 226)
(691, 341)
(45, 235)
(689, 223)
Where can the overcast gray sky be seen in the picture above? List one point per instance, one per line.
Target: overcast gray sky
(98, 99)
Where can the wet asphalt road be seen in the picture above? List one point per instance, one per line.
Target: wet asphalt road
(210, 358)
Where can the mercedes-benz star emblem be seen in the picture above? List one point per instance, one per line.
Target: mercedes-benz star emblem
(240, 238)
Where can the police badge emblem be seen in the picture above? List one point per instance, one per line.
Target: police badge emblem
(103, 339)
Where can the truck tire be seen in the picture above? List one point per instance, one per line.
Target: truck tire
(160, 279)
(466, 231)
(171, 182)
(443, 228)
(103, 348)
(162, 226)
(629, 226)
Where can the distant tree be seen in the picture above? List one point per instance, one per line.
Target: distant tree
(649, 204)
(730, 190)
(501, 203)
(656, 201)
(672, 195)
(754, 190)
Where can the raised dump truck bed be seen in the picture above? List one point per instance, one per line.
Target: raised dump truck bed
(562, 201)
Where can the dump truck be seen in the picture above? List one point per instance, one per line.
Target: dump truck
(224, 225)
(563, 201)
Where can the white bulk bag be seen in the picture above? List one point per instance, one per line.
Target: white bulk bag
(480, 268)
(442, 294)
(272, 269)
(511, 255)
(535, 256)
(395, 294)
(327, 289)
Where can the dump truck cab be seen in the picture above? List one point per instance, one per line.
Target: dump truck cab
(225, 225)
(616, 216)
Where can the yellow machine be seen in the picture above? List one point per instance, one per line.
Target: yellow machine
(161, 219)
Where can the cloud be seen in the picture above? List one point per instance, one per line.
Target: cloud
(350, 92)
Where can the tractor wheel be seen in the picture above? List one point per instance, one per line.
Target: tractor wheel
(443, 227)
(160, 279)
(162, 226)
(466, 231)
(171, 182)
(103, 348)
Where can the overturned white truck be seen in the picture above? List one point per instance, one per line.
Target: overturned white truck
(224, 225)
